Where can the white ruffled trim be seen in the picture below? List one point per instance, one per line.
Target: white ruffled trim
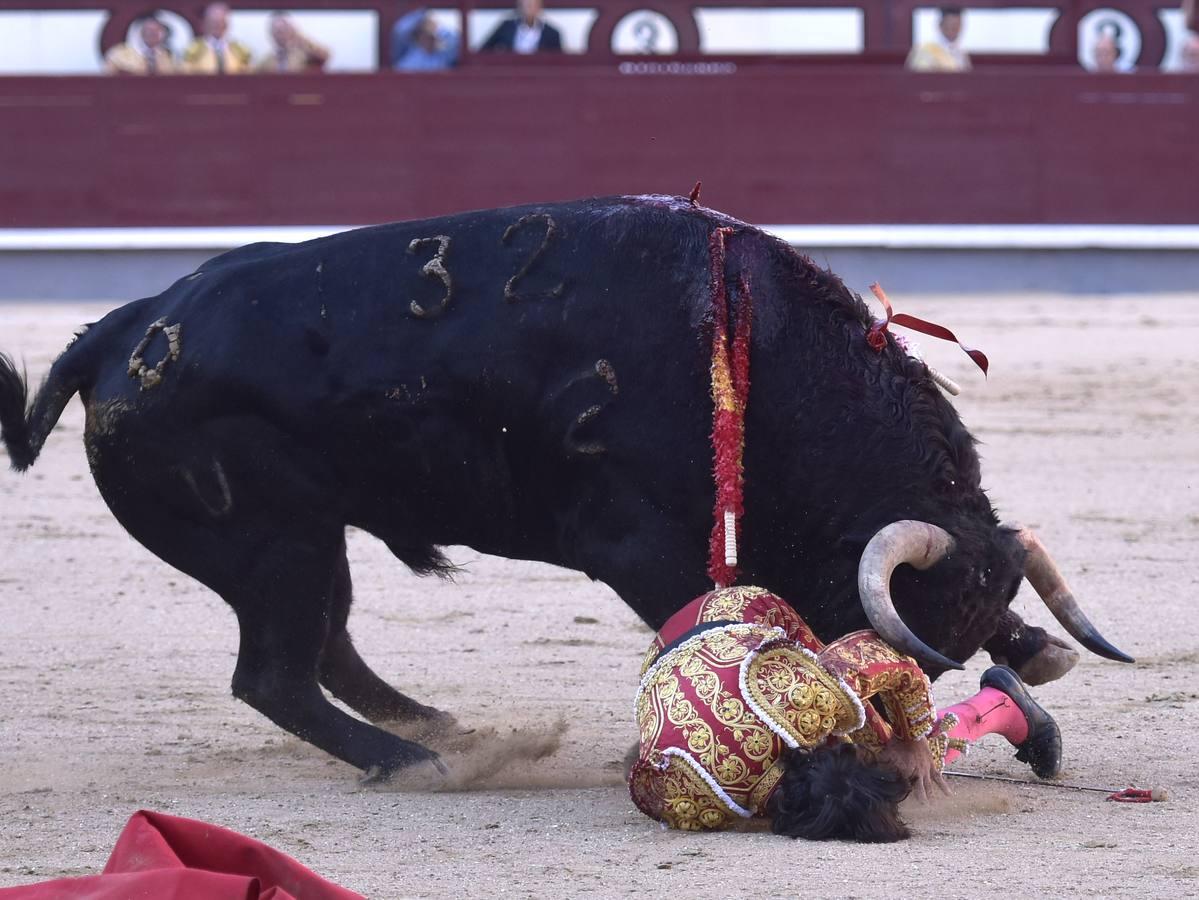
(857, 703)
(783, 733)
(735, 628)
(774, 726)
(703, 773)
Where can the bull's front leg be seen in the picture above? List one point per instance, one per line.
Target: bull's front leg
(1035, 654)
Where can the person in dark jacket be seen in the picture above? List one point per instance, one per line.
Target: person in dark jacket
(525, 32)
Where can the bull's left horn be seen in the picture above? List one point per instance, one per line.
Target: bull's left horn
(1051, 587)
(918, 544)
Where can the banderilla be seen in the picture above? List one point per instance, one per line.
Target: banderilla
(1127, 795)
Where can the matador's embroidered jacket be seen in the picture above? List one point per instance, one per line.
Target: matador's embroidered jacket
(733, 678)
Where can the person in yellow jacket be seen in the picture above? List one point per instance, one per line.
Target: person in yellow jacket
(214, 53)
(146, 54)
(293, 50)
(945, 54)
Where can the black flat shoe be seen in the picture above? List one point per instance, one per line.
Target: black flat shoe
(1042, 749)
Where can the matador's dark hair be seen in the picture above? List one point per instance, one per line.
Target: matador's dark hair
(834, 794)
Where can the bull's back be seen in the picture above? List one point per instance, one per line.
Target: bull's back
(483, 351)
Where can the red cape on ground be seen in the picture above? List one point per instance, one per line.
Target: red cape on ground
(161, 857)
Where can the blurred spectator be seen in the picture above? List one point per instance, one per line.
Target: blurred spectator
(419, 44)
(293, 51)
(213, 53)
(1190, 14)
(525, 32)
(944, 54)
(1188, 59)
(146, 53)
(1105, 55)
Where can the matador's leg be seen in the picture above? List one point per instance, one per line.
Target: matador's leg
(1003, 706)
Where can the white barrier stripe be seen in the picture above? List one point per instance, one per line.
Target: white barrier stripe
(894, 237)
(992, 237)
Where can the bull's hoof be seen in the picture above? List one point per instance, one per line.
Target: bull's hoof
(381, 774)
(1042, 749)
(1049, 663)
(374, 775)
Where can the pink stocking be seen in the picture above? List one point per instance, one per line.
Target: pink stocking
(988, 712)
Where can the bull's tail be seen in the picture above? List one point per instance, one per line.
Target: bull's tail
(14, 427)
(24, 426)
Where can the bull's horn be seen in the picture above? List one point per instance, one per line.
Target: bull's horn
(1049, 584)
(918, 544)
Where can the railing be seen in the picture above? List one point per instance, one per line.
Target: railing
(1146, 29)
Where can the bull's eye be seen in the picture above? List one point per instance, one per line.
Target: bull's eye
(983, 577)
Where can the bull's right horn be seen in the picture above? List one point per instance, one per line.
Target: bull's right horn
(1051, 587)
(918, 544)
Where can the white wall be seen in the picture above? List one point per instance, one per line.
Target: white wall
(810, 30)
(57, 43)
(1176, 35)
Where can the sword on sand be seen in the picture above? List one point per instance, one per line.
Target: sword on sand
(1127, 795)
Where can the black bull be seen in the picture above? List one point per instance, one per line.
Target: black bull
(533, 383)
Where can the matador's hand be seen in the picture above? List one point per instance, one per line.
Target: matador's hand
(914, 760)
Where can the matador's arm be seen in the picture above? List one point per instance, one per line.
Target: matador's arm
(870, 667)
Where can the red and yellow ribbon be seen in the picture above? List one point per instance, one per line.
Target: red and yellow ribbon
(730, 393)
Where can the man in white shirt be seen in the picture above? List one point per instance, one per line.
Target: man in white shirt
(944, 54)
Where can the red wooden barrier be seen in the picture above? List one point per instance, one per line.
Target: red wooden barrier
(772, 143)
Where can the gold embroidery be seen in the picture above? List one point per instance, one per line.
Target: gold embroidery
(765, 786)
(801, 698)
(867, 738)
(726, 737)
(730, 604)
(667, 789)
(871, 667)
(864, 648)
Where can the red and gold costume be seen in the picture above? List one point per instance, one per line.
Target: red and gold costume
(735, 677)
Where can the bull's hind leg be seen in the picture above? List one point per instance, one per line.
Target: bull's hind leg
(347, 676)
(260, 530)
(1035, 654)
(283, 609)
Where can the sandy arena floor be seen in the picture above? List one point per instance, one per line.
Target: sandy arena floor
(114, 673)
